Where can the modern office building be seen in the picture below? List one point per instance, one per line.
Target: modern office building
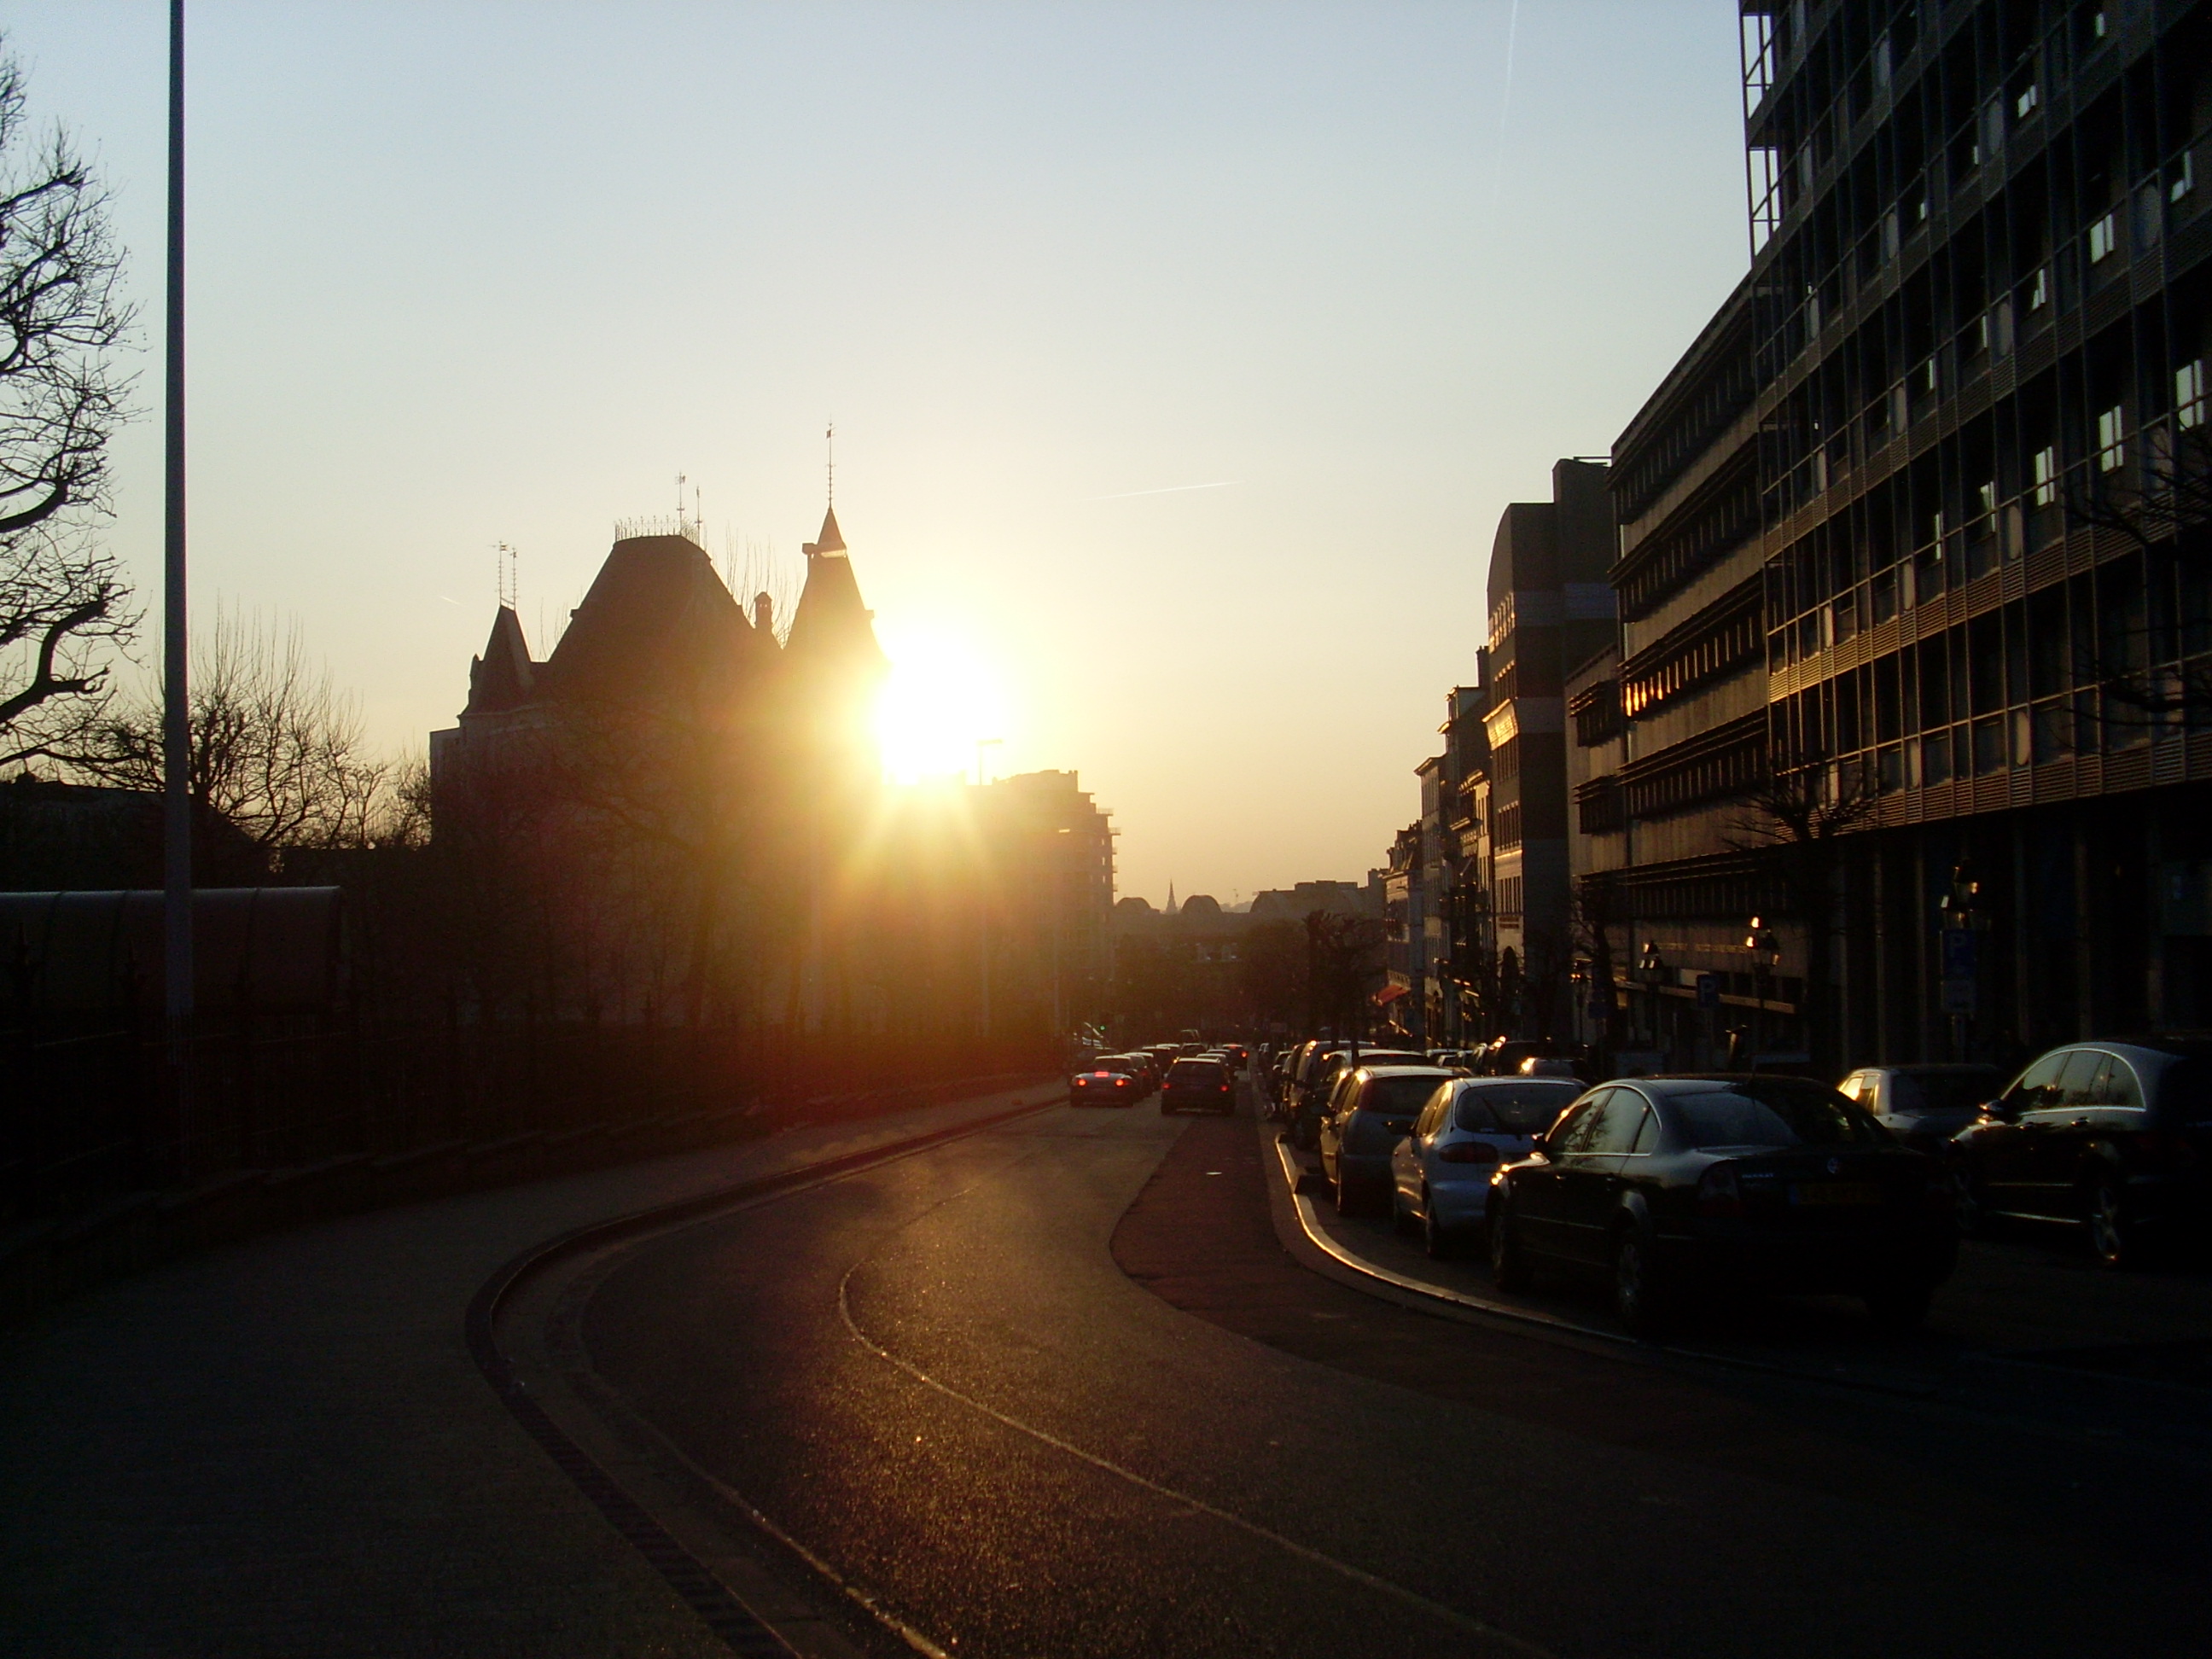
(1914, 541)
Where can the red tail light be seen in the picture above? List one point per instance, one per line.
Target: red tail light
(1718, 1192)
(1468, 1152)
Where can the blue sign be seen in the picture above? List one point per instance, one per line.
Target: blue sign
(1709, 990)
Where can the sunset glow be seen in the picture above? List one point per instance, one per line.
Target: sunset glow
(941, 700)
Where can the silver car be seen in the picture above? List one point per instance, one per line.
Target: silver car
(1923, 1106)
(1440, 1174)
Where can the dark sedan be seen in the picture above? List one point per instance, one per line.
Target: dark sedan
(2115, 1137)
(1669, 1185)
(1198, 1086)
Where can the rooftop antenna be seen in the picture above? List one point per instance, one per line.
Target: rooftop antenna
(510, 576)
(830, 438)
(679, 503)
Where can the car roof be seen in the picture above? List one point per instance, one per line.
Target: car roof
(1931, 1068)
(1575, 1083)
(1407, 1071)
(1691, 1082)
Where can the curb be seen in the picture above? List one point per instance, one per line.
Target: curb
(739, 1626)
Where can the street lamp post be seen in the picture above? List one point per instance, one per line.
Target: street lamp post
(1766, 953)
(1651, 973)
(176, 709)
(1964, 920)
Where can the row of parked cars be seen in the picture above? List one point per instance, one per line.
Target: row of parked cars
(1667, 1185)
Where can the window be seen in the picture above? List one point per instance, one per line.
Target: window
(1513, 1109)
(2046, 475)
(1568, 1134)
(2039, 288)
(1624, 1119)
(2119, 1087)
(1987, 496)
(2039, 1084)
(2184, 177)
(1760, 1113)
(2104, 239)
(2111, 446)
(2189, 395)
(2077, 1083)
(2026, 104)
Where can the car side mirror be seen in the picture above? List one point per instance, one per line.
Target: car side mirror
(2004, 1108)
(1540, 1143)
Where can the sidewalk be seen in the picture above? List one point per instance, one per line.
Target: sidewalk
(284, 1448)
(2024, 1324)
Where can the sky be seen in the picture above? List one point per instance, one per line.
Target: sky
(1181, 356)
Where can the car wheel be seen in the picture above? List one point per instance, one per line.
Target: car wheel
(1637, 1298)
(1900, 1307)
(1508, 1262)
(1401, 1223)
(1436, 1238)
(2115, 1238)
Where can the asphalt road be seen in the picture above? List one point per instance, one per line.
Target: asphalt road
(1056, 1389)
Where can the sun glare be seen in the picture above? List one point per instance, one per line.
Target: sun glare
(938, 704)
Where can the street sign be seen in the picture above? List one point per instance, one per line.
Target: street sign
(1958, 996)
(1709, 990)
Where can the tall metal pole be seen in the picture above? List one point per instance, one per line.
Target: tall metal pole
(176, 720)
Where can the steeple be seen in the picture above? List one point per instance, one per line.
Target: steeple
(1171, 898)
(831, 541)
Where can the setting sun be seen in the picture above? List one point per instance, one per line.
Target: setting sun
(940, 703)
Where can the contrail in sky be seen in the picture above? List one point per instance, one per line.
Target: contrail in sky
(1171, 489)
(1504, 110)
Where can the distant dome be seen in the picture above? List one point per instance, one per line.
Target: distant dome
(1133, 906)
(1204, 905)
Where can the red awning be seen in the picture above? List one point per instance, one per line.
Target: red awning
(1390, 994)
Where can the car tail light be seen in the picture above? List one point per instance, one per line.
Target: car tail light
(1224, 1088)
(1719, 1193)
(1468, 1152)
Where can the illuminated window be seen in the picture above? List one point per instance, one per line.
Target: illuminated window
(2112, 448)
(2189, 395)
(1987, 495)
(2046, 475)
(2039, 289)
(2025, 105)
(2104, 238)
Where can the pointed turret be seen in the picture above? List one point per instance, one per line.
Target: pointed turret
(832, 542)
(504, 676)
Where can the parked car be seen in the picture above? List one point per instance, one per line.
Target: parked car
(1324, 1074)
(1675, 1184)
(1503, 1057)
(1373, 1109)
(1923, 1106)
(1198, 1086)
(2113, 1137)
(1440, 1174)
(1101, 1086)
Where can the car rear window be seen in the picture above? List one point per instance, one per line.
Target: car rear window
(1398, 1097)
(1189, 1073)
(1751, 1116)
(1513, 1109)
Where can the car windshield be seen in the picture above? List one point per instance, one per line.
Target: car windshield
(1750, 1115)
(1398, 1097)
(1513, 1109)
(1946, 1092)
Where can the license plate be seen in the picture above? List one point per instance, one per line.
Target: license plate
(1837, 1193)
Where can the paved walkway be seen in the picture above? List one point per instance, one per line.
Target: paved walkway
(284, 1448)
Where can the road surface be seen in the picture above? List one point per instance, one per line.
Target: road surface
(1055, 1389)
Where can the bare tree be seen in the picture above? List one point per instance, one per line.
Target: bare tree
(63, 602)
(2169, 514)
(1797, 818)
(278, 753)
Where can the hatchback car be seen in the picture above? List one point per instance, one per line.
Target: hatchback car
(1674, 1184)
(1923, 1106)
(2113, 1137)
(1198, 1086)
(1324, 1072)
(1373, 1109)
(1440, 1174)
(1100, 1087)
